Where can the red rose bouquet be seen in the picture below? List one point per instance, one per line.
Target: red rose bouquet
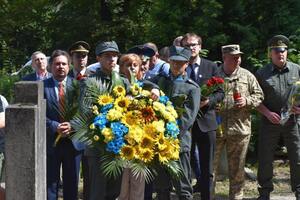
(211, 85)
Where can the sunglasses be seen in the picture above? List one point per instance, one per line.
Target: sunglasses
(80, 55)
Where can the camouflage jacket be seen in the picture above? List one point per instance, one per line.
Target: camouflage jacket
(238, 120)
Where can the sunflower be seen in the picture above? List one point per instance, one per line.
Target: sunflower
(161, 141)
(146, 155)
(127, 152)
(105, 99)
(147, 142)
(130, 118)
(148, 114)
(119, 91)
(121, 103)
(114, 114)
(150, 130)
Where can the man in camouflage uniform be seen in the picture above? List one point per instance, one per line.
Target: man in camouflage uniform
(276, 79)
(236, 117)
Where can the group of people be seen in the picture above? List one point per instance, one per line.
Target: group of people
(184, 73)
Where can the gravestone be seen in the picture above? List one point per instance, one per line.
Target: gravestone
(25, 143)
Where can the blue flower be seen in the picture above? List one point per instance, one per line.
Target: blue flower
(163, 99)
(115, 145)
(100, 121)
(118, 129)
(172, 129)
(106, 108)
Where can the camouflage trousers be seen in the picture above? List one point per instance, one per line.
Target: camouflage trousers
(236, 150)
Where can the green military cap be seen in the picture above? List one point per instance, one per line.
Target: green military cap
(180, 53)
(278, 42)
(233, 49)
(108, 46)
(79, 46)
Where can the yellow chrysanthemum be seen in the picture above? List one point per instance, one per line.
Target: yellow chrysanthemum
(127, 152)
(135, 133)
(92, 126)
(159, 126)
(146, 93)
(105, 99)
(147, 142)
(162, 93)
(108, 134)
(96, 138)
(119, 91)
(114, 114)
(135, 89)
(168, 116)
(146, 155)
(121, 103)
(95, 110)
(158, 106)
(172, 110)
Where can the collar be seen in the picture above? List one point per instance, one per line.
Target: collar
(285, 68)
(56, 82)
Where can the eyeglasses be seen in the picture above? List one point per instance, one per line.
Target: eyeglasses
(191, 45)
(280, 50)
(80, 55)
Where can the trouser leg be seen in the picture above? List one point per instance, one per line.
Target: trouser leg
(267, 141)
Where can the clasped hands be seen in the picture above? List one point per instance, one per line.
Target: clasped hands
(64, 129)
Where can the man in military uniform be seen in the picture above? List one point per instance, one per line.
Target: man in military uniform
(236, 117)
(100, 187)
(175, 84)
(79, 55)
(276, 80)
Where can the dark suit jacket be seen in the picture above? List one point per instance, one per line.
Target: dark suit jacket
(207, 69)
(32, 77)
(52, 114)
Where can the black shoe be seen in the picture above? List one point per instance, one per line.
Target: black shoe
(263, 197)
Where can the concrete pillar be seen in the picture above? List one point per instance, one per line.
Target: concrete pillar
(25, 143)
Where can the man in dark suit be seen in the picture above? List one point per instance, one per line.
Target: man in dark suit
(65, 152)
(79, 56)
(204, 129)
(39, 62)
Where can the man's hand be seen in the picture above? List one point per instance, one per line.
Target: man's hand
(155, 94)
(296, 109)
(204, 103)
(64, 129)
(240, 102)
(273, 117)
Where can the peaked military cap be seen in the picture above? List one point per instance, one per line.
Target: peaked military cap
(79, 46)
(102, 47)
(143, 50)
(180, 53)
(233, 49)
(279, 42)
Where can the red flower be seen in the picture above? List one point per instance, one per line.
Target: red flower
(211, 85)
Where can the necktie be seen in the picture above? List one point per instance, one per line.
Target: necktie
(193, 73)
(61, 100)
